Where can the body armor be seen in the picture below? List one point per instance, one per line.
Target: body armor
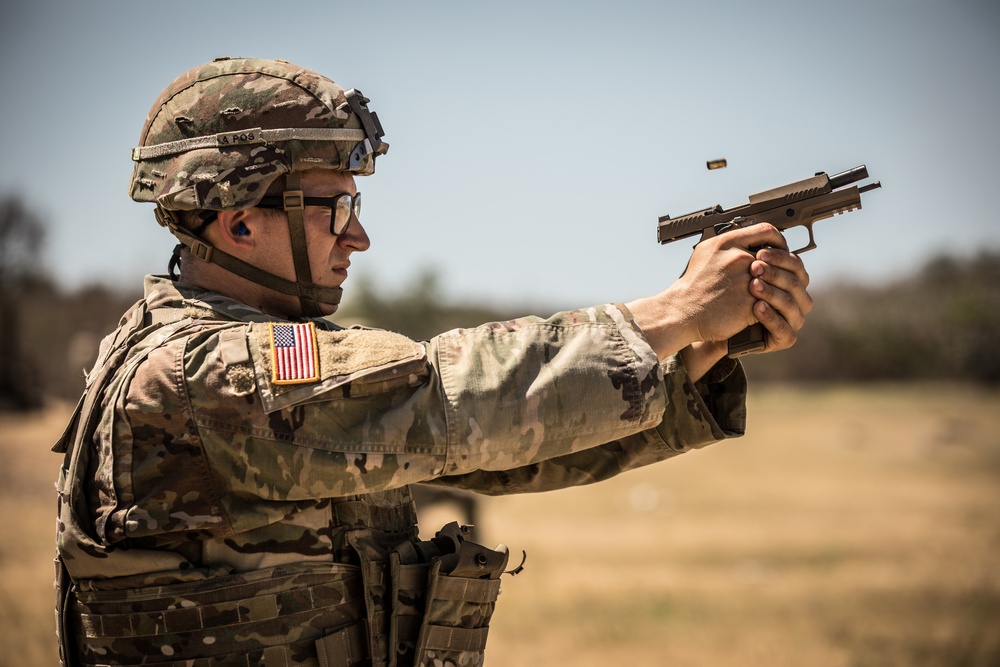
(383, 597)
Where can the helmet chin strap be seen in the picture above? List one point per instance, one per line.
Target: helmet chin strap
(310, 295)
(294, 201)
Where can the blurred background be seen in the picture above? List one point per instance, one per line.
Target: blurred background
(533, 146)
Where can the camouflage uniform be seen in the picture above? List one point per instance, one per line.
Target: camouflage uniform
(202, 469)
(215, 512)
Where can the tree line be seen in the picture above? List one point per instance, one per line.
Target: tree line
(942, 322)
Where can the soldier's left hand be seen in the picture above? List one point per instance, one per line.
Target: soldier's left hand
(779, 283)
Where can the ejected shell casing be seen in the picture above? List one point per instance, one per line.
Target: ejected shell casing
(716, 164)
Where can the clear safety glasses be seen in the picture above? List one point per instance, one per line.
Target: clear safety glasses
(342, 208)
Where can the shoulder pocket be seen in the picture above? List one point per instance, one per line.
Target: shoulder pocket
(350, 362)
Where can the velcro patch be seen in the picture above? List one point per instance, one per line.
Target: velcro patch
(351, 362)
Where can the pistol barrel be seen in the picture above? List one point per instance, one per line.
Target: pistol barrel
(848, 177)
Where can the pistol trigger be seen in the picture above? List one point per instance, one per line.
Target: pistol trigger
(812, 242)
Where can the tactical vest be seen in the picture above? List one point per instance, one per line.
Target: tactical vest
(399, 602)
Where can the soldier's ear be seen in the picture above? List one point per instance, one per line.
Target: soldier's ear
(234, 227)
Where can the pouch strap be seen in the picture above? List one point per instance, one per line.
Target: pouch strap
(344, 648)
(442, 638)
(470, 590)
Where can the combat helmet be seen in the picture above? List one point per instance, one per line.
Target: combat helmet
(222, 133)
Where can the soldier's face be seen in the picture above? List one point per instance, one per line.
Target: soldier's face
(329, 255)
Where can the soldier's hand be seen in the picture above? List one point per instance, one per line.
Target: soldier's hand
(728, 285)
(727, 288)
(779, 283)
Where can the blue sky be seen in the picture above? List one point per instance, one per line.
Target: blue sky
(533, 145)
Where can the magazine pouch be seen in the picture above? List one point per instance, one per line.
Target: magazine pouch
(409, 595)
(462, 584)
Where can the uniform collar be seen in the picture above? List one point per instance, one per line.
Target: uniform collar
(162, 292)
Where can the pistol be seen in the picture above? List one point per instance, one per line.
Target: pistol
(798, 204)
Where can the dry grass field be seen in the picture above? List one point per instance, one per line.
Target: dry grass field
(853, 527)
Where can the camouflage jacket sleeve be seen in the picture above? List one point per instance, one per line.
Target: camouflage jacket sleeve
(384, 411)
(697, 414)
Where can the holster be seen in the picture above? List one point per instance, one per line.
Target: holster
(444, 593)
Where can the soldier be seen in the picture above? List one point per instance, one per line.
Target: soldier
(235, 484)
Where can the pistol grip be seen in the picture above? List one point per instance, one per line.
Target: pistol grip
(751, 339)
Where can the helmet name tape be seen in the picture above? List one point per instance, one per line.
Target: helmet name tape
(246, 137)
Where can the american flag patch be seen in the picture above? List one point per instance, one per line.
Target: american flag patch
(294, 357)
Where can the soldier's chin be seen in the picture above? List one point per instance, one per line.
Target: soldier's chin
(328, 309)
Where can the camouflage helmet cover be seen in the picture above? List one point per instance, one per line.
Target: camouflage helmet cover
(221, 133)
